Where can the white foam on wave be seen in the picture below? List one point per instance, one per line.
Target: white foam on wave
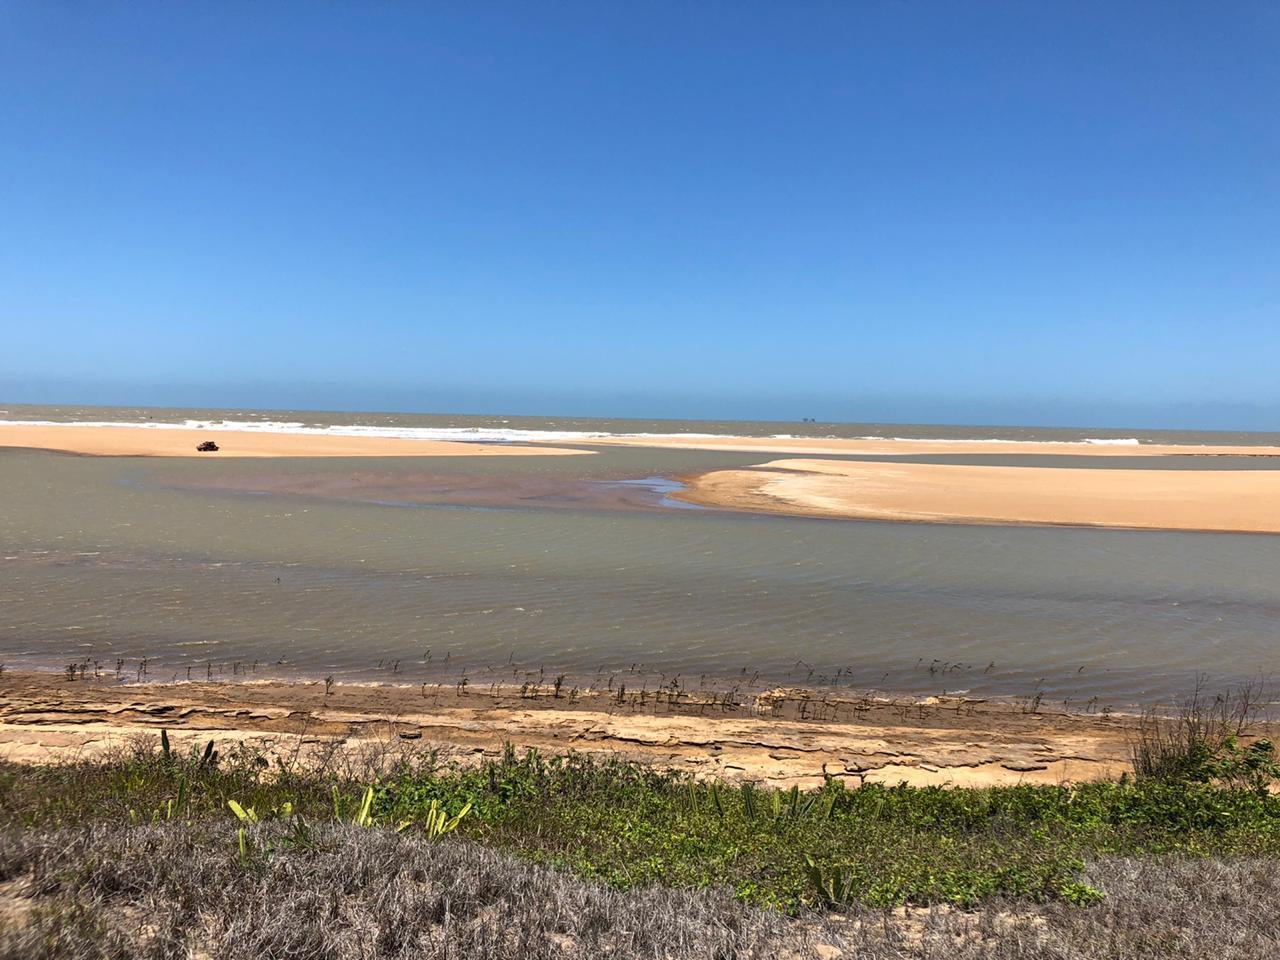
(473, 434)
(462, 434)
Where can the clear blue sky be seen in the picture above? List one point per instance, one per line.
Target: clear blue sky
(1017, 212)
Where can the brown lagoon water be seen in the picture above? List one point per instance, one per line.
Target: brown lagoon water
(427, 569)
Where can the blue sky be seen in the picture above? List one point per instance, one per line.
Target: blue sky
(1024, 212)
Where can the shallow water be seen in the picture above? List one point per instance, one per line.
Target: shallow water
(499, 568)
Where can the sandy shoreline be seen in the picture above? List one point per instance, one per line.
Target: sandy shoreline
(177, 441)
(781, 737)
(115, 441)
(1199, 500)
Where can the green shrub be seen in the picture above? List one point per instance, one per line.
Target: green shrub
(631, 826)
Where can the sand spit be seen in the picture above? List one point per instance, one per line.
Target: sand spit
(1243, 501)
(781, 738)
(279, 440)
(116, 441)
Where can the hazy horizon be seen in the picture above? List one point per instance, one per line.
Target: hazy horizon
(1166, 418)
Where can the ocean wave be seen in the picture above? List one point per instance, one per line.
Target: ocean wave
(462, 434)
(472, 434)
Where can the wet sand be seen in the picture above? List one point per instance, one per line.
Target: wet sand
(782, 737)
(436, 488)
(1201, 500)
(111, 441)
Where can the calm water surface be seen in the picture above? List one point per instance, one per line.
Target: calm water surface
(568, 565)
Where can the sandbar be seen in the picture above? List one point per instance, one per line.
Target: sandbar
(117, 441)
(1246, 501)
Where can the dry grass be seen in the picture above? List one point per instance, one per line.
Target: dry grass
(170, 891)
(1156, 908)
(160, 891)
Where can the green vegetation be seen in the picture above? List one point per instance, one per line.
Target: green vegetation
(633, 827)
(388, 854)
(1205, 743)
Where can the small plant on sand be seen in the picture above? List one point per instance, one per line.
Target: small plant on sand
(298, 836)
(251, 816)
(1205, 743)
(171, 809)
(361, 815)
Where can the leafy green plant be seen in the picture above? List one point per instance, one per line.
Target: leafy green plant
(1080, 894)
(365, 814)
(209, 757)
(1253, 766)
(834, 886)
(178, 804)
(436, 821)
(249, 815)
(361, 815)
(170, 809)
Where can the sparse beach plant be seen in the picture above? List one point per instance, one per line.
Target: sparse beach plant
(436, 822)
(1207, 741)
